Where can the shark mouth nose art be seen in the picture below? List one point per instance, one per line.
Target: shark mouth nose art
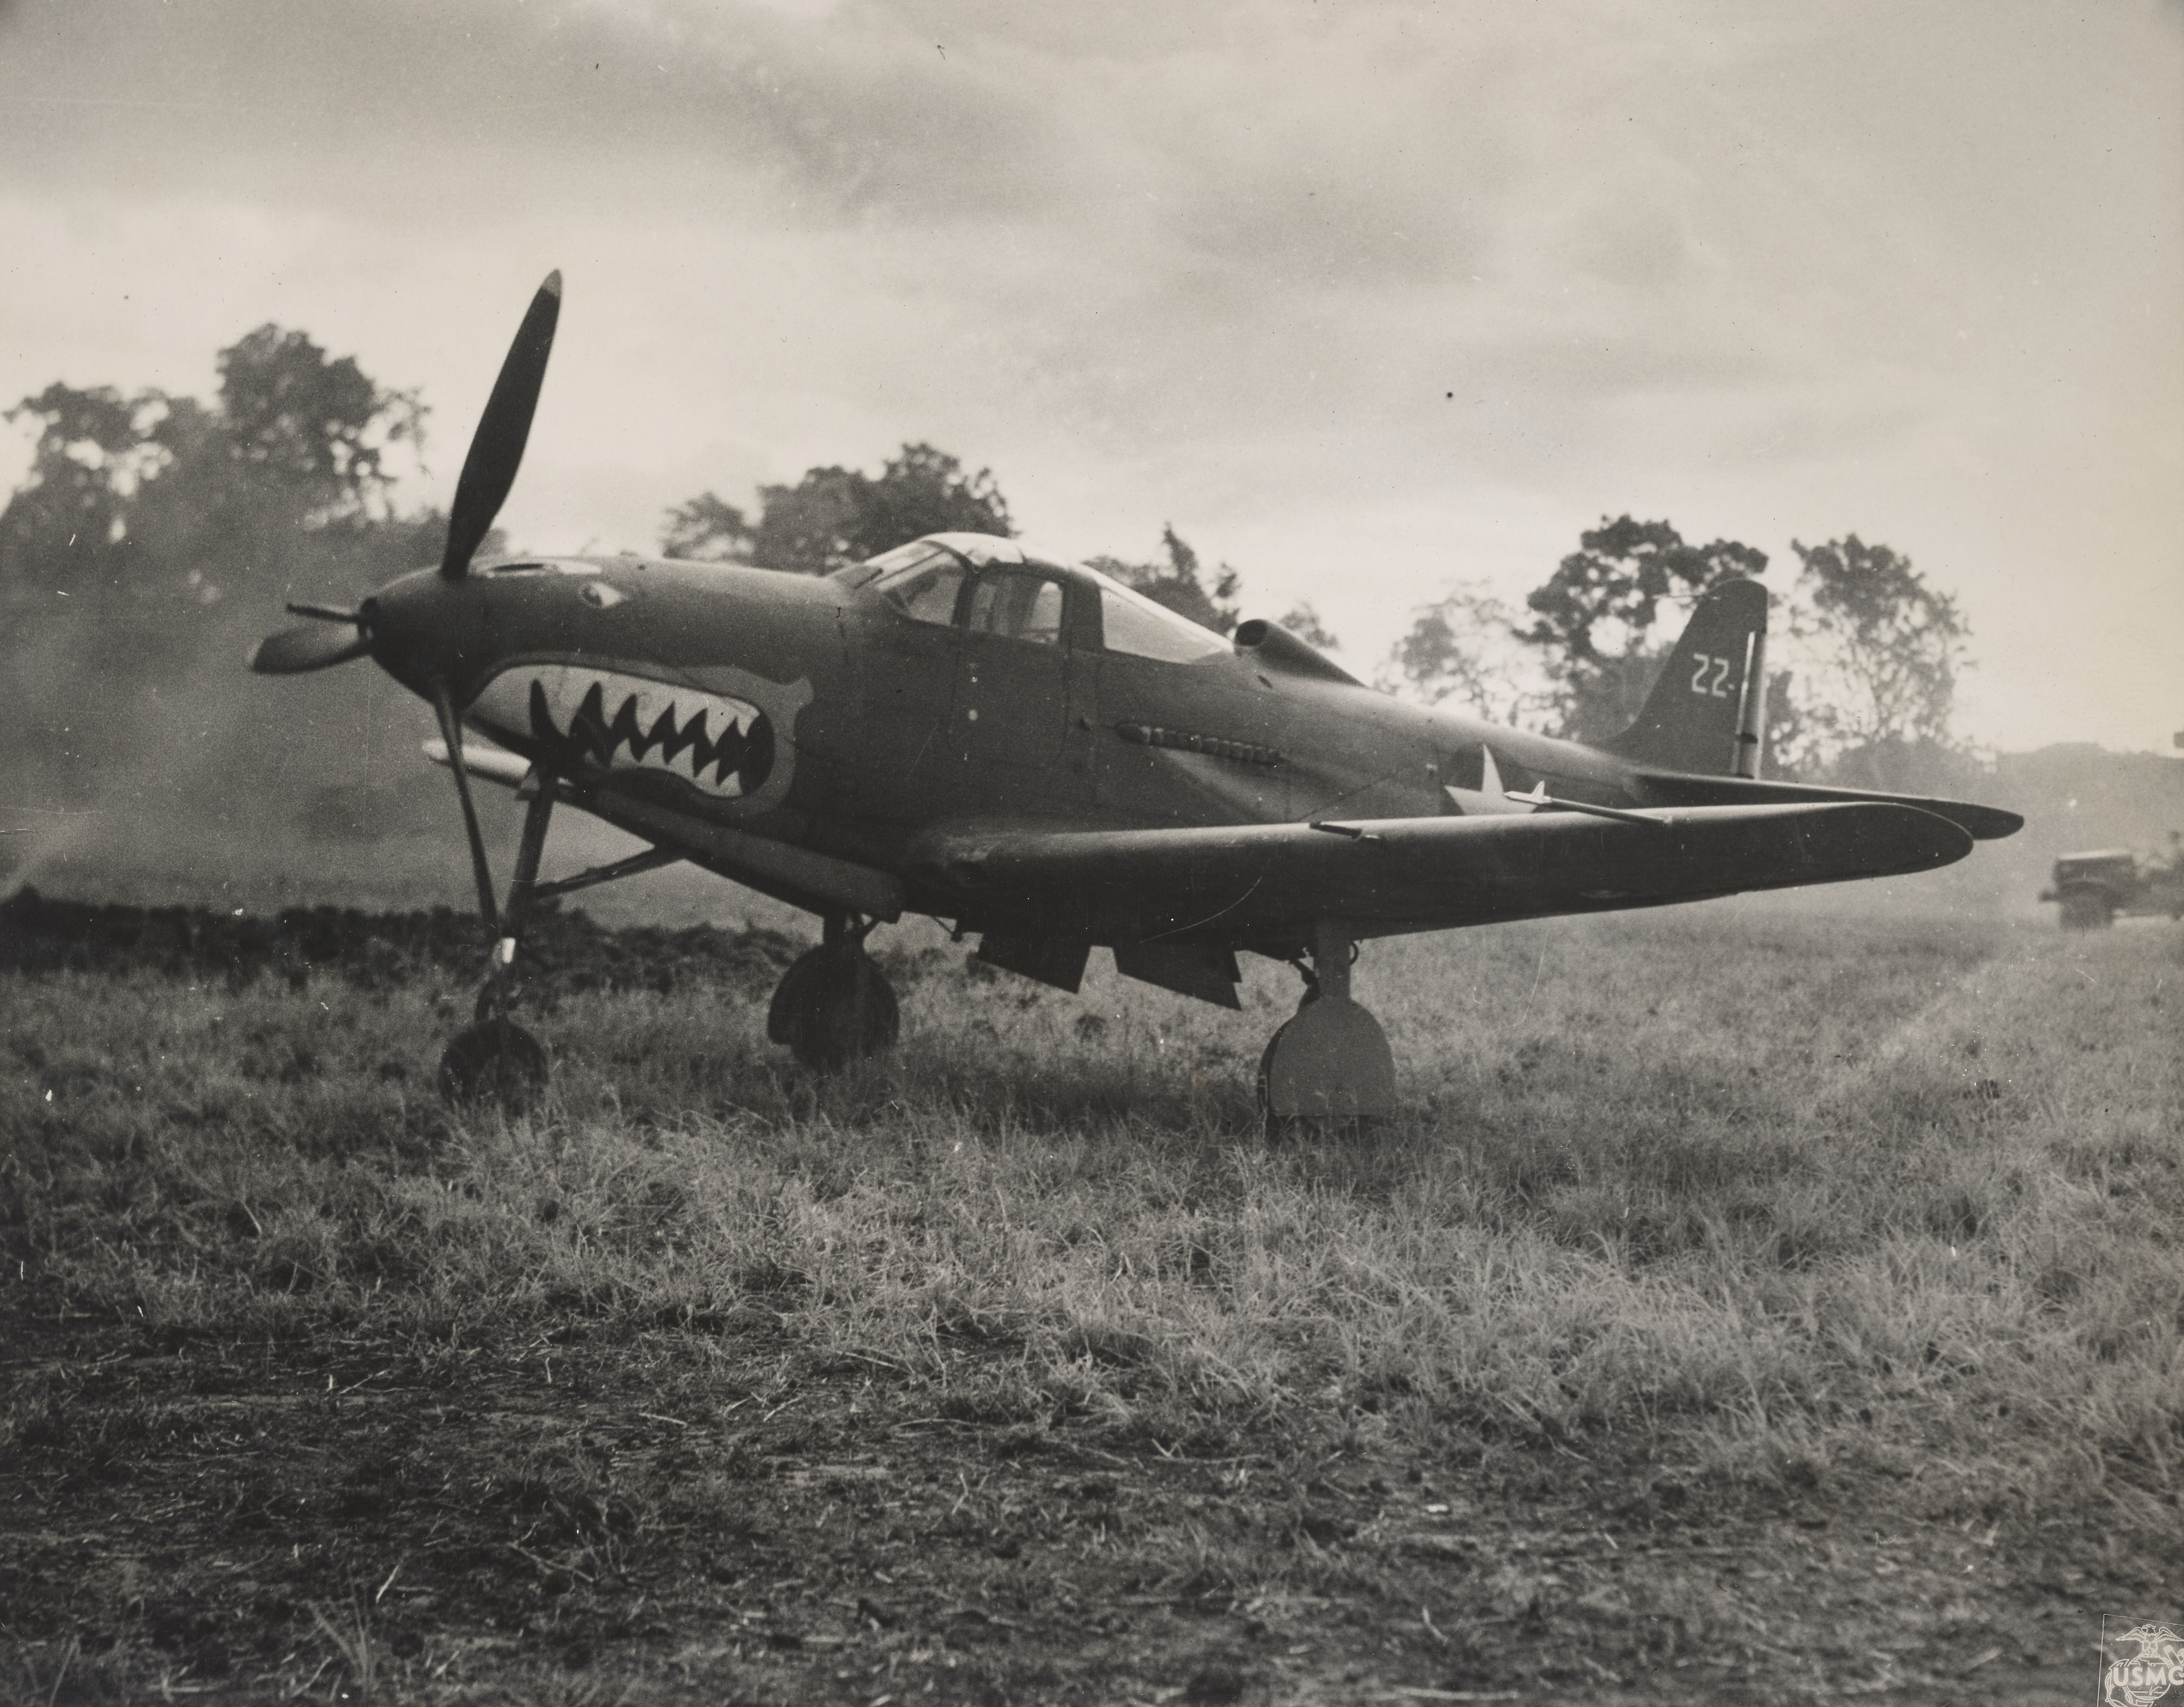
(723, 747)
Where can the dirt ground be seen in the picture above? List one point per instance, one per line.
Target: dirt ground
(741, 1523)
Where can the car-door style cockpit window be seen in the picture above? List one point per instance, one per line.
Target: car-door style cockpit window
(924, 592)
(1132, 624)
(1024, 607)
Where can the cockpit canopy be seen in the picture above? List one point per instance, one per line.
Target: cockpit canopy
(989, 585)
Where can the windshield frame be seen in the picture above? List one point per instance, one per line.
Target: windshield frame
(1193, 643)
(913, 554)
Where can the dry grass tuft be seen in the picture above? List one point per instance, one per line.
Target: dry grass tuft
(1721, 1209)
(1776, 1202)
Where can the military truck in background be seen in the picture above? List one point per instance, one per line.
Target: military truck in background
(2094, 887)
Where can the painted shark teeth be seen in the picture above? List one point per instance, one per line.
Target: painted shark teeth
(598, 718)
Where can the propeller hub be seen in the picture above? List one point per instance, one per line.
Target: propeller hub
(425, 629)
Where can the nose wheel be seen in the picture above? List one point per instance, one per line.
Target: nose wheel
(495, 1060)
(833, 1005)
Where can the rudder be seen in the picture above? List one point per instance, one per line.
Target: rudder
(1707, 709)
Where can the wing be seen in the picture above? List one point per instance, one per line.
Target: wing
(1254, 885)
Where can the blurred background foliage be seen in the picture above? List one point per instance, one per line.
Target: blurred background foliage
(154, 537)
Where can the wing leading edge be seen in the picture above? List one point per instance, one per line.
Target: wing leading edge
(1263, 885)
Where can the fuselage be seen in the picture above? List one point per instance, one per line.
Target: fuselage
(959, 681)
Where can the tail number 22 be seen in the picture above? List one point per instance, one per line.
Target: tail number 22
(1717, 688)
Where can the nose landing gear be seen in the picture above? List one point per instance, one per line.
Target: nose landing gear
(495, 1060)
(1330, 1065)
(834, 1007)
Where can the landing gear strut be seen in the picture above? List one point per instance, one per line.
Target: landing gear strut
(1330, 1065)
(494, 1059)
(833, 1005)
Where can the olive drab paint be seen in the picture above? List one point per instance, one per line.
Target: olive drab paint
(968, 728)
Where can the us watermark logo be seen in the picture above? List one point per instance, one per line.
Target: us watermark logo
(2141, 1665)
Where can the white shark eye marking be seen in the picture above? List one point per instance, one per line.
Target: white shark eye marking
(600, 594)
(599, 720)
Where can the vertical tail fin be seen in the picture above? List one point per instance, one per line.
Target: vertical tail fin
(1707, 708)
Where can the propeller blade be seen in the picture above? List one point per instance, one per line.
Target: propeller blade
(293, 650)
(325, 613)
(497, 447)
(451, 732)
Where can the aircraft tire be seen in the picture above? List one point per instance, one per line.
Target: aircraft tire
(835, 1006)
(1278, 1127)
(792, 997)
(497, 1062)
(1329, 1070)
(1274, 1127)
(1265, 1073)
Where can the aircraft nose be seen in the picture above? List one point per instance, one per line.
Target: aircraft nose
(425, 628)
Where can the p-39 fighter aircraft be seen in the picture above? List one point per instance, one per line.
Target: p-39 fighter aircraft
(1030, 750)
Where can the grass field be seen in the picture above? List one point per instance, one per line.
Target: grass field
(1752, 1304)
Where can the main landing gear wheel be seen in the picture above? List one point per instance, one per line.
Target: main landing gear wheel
(1329, 1068)
(494, 1060)
(834, 1007)
(1264, 1076)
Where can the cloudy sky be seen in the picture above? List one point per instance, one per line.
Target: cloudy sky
(1362, 298)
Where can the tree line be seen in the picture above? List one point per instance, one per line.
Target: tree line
(149, 524)
(836, 516)
(1863, 662)
(1863, 654)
